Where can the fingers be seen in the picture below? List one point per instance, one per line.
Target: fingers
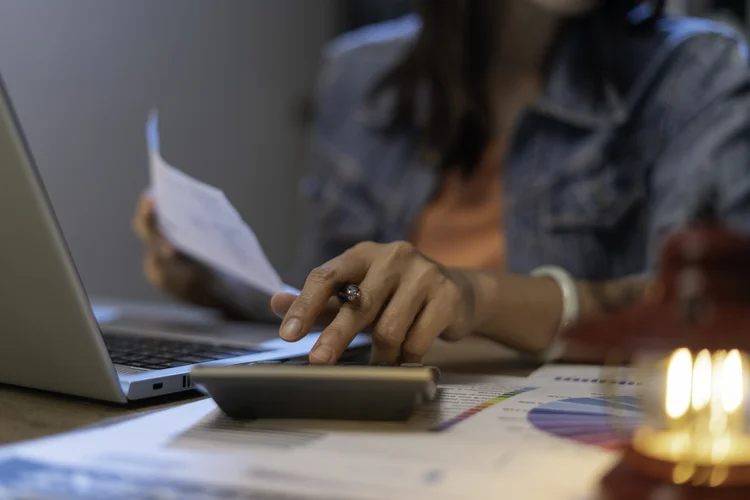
(397, 318)
(174, 274)
(144, 219)
(165, 267)
(147, 229)
(281, 303)
(434, 319)
(321, 285)
(161, 251)
(376, 288)
(409, 300)
(180, 277)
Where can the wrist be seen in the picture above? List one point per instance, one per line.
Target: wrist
(480, 291)
(520, 311)
(570, 310)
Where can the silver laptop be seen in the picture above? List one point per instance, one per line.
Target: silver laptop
(50, 338)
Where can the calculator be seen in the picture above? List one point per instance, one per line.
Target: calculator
(328, 392)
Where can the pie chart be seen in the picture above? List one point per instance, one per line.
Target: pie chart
(604, 421)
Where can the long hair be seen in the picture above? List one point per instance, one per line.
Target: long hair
(452, 56)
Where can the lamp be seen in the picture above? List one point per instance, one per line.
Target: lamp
(688, 347)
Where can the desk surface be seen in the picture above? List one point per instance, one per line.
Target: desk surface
(27, 414)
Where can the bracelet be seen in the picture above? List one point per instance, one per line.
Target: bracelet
(570, 309)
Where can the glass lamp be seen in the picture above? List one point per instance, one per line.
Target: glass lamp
(687, 346)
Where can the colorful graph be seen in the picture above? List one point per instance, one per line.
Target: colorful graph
(599, 420)
(483, 406)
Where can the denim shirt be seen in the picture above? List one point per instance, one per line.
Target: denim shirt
(591, 185)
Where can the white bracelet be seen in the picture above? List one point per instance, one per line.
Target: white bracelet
(570, 309)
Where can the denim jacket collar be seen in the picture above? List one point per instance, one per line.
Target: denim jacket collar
(569, 94)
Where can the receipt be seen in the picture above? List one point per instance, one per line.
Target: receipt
(201, 222)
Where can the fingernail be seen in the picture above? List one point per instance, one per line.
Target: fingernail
(322, 354)
(291, 329)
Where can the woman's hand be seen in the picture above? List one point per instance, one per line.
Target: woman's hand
(166, 268)
(407, 301)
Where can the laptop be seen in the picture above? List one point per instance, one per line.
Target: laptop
(50, 338)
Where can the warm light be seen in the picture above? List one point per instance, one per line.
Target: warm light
(717, 423)
(732, 382)
(683, 472)
(679, 374)
(703, 419)
(702, 380)
(720, 447)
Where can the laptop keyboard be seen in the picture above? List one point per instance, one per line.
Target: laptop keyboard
(158, 354)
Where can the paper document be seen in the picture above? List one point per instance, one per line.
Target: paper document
(199, 221)
(134, 460)
(154, 474)
(505, 437)
(483, 423)
(454, 405)
(571, 374)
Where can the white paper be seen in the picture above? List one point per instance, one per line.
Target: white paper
(133, 473)
(162, 474)
(200, 221)
(482, 423)
(135, 451)
(503, 437)
(555, 474)
(453, 407)
(169, 474)
(572, 374)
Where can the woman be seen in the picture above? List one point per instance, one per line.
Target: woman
(513, 151)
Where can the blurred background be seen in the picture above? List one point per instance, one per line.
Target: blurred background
(231, 80)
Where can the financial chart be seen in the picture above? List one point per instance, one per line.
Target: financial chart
(589, 420)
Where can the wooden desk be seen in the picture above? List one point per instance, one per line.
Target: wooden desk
(27, 414)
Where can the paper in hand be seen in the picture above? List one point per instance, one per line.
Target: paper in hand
(200, 222)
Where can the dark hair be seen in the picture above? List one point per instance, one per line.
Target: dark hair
(451, 55)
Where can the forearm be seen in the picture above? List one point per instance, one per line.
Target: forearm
(524, 312)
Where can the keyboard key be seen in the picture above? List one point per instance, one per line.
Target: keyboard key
(154, 361)
(160, 354)
(210, 356)
(173, 364)
(227, 351)
(130, 357)
(192, 359)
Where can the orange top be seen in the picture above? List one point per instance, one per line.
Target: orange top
(462, 226)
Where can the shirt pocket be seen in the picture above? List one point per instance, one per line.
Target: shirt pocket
(597, 198)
